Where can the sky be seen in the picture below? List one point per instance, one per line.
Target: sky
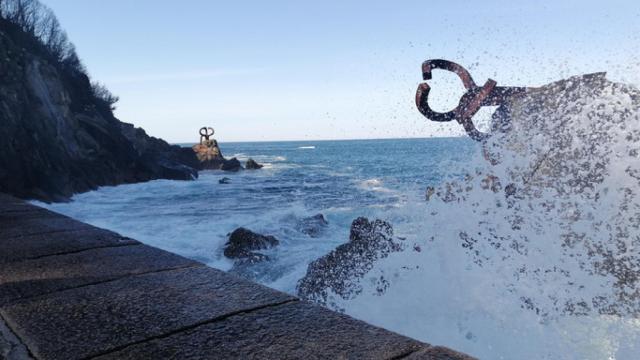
(310, 70)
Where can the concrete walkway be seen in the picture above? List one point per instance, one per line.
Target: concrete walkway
(69, 290)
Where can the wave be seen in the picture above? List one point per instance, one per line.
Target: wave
(536, 252)
(374, 185)
(306, 147)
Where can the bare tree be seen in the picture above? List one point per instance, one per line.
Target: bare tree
(39, 21)
(101, 93)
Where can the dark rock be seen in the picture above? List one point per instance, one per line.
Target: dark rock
(209, 155)
(241, 264)
(340, 270)
(57, 138)
(232, 164)
(224, 180)
(313, 225)
(169, 161)
(252, 165)
(243, 242)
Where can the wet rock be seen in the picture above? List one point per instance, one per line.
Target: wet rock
(244, 266)
(243, 242)
(224, 180)
(209, 155)
(252, 165)
(339, 271)
(232, 164)
(313, 225)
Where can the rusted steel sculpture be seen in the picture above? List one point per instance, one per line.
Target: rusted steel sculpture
(476, 97)
(205, 133)
(208, 148)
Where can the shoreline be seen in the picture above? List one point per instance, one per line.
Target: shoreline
(63, 279)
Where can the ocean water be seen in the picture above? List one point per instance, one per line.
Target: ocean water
(340, 179)
(498, 277)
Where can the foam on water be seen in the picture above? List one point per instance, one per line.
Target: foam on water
(194, 218)
(535, 257)
(532, 257)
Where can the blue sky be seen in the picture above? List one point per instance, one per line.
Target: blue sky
(302, 70)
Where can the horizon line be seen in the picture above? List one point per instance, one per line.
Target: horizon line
(326, 140)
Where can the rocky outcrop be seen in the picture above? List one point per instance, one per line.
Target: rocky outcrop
(312, 225)
(57, 138)
(232, 164)
(252, 165)
(243, 243)
(338, 272)
(209, 155)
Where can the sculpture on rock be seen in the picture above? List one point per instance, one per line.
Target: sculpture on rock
(209, 154)
(208, 148)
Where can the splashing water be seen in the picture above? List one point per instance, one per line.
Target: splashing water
(532, 255)
(535, 253)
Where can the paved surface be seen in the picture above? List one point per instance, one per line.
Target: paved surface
(69, 290)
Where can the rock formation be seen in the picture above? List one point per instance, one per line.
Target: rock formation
(338, 272)
(243, 243)
(252, 165)
(232, 164)
(210, 156)
(58, 137)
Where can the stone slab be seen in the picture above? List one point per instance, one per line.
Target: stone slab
(298, 330)
(9, 205)
(53, 273)
(28, 232)
(96, 319)
(38, 245)
(20, 209)
(41, 225)
(8, 199)
(438, 353)
(11, 348)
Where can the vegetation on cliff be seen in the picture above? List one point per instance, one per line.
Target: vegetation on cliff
(59, 135)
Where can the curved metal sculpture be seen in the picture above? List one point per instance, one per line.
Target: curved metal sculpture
(206, 132)
(476, 97)
(208, 149)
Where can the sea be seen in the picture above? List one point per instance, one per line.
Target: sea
(341, 180)
(441, 294)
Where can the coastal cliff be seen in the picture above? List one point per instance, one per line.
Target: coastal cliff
(59, 135)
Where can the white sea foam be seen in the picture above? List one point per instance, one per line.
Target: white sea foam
(498, 277)
(373, 185)
(549, 272)
(307, 147)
